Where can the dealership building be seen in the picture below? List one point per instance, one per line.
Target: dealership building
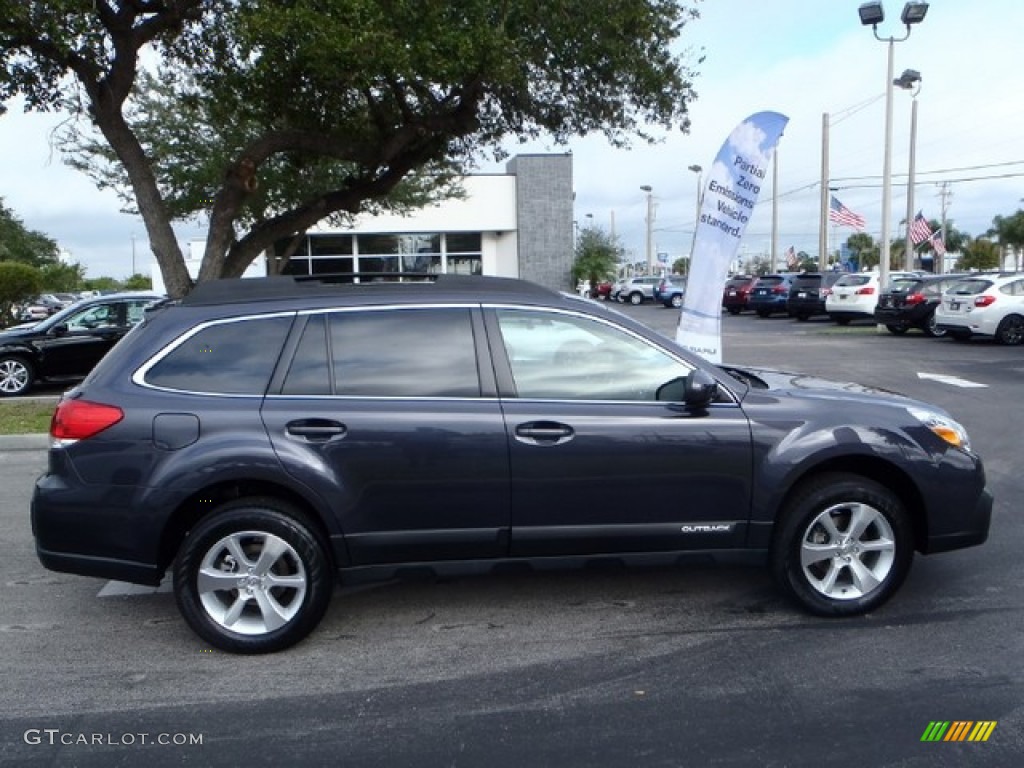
(513, 224)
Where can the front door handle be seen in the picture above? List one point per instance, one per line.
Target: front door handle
(316, 430)
(544, 433)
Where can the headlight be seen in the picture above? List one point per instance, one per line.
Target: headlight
(943, 426)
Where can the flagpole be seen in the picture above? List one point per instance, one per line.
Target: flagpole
(908, 256)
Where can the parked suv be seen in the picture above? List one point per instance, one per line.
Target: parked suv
(984, 305)
(911, 301)
(670, 290)
(66, 346)
(735, 293)
(808, 293)
(855, 295)
(770, 294)
(636, 289)
(263, 433)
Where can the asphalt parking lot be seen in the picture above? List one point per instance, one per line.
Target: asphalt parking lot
(697, 666)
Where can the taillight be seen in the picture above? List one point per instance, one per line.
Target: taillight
(780, 289)
(825, 293)
(983, 301)
(81, 419)
(867, 290)
(914, 298)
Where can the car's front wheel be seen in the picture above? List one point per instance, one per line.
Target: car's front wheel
(844, 545)
(636, 298)
(677, 300)
(253, 577)
(16, 376)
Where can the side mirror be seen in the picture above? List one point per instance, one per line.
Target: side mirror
(61, 329)
(696, 390)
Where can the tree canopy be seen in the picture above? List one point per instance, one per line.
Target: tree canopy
(18, 243)
(597, 256)
(268, 117)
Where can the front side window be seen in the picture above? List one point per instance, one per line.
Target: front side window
(565, 357)
(232, 358)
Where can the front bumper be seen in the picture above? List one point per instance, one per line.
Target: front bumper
(973, 531)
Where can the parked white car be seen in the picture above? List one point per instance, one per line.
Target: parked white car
(984, 305)
(854, 296)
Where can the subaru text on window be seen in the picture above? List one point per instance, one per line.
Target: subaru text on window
(263, 434)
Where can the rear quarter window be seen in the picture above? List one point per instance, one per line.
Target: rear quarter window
(970, 287)
(227, 358)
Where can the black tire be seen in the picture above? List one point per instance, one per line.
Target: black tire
(843, 320)
(960, 335)
(16, 376)
(827, 585)
(931, 329)
(895, 329)
(733, 310)
(803, 317)
(242, 528)
(1010, 330)
(677, 300)
(636, 298)
(763, 313)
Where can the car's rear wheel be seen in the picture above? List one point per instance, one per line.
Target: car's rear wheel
(932, 329)
(253, 577)
(733, 310)
(677, 300)
(1010, 330)
(763, 313)
(16, 376)
(844, 545)
(636, 298)
(896, 329)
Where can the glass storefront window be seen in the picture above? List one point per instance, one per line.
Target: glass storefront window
(463, 242)
(331, 245)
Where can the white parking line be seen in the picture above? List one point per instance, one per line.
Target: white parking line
(954, 381)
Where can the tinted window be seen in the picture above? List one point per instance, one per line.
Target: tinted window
(768, 281)
(970, 287)
(404, 353)
(806, 282)
(853, 280)
(563, 357)
(234, 358)
(904, 286)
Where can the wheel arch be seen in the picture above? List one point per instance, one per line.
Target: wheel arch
(204, 501)
(871, 468)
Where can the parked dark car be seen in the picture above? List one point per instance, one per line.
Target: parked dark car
(770, 294)
(67, 345)
(670, 290)
(735, 293)
(808, 293)
(910, 302)
(263, 433)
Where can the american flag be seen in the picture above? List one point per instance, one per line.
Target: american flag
(843, 216)
(919, 229)
(938, 245)
(791, 257)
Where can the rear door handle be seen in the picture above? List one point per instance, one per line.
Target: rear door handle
(316, 430)
(544, 433)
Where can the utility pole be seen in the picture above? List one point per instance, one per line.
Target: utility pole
(944, 194)
(823, 222)
(775, 206)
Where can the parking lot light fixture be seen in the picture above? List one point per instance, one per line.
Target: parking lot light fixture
(871, 14)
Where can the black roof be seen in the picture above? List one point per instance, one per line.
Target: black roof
(247, 289)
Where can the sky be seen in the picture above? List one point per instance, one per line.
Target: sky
(803, 58)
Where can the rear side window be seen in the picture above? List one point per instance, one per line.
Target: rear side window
(806, 282)
(229, 358)
(404, 353)
(1016, 288)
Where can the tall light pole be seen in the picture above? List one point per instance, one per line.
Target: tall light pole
(133, 255)
(696, 219)
(650, 227)
(871, 14)
(908, 80)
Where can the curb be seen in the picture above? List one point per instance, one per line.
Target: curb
(32, 442)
